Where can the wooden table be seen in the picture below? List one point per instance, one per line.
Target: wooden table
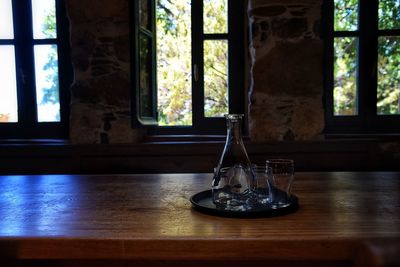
(111, 220)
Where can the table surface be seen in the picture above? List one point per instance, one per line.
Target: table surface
(145, 216)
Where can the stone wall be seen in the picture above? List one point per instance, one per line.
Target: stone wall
(287, 86)
(286, 63)
(100, 95)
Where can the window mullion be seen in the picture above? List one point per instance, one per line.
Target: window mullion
(197, 63)
(327, 35)
(64, 64)
(235, 56)
(367, 59)
(24, 63)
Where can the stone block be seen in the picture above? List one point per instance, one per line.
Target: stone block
(85, 123)
(289, 28)
(283, 118)
(257, 3)
(293, 69)
(113, 89)
(88, 10)
(268, 11)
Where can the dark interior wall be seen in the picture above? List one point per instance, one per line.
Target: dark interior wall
(285, 59)
(323, 155)
(285, 74)
(285, 89)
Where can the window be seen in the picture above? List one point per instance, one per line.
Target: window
(362, 66)
(188, 59)
(34, 70)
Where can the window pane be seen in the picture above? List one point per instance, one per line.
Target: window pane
(389, 14)
(346, 15)
(44, 19)
(174, 73)
(144, 13)
(215, 78)
(47, 88)
(345, 73)
(145, 78)
(8, 88)
(388, 75)
(215, 15)
(6, 20)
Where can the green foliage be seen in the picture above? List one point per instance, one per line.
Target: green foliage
(215, 16)
(345, 90)
(215, 78)
(49, 27)
(389, 14)
(51, 92)
(174, 61)
(345, 83)
(215, 59)
(388, 94)
(345, 63)
(346, 15)
(167, 17)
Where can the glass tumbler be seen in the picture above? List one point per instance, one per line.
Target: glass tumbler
(282, 175)
(262, 175)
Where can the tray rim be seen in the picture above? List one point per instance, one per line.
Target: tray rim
(262, 212)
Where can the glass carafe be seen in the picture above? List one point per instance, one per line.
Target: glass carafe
(233, 182)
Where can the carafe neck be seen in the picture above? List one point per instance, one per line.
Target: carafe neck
(234, 127)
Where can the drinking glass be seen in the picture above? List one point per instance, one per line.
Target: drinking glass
(282, 175)
(262, 184)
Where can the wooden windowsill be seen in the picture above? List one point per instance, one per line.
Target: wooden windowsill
(190, 155)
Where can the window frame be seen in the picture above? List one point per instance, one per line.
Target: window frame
(27, 126)
(235, 36)
(139, 119)
(367, 121)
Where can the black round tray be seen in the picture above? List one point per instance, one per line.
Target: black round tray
(202, 202)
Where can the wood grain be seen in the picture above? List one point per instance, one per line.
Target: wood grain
(149, 216)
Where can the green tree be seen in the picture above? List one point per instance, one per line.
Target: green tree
(174, 61)
(389, 14)
(51, 92)
(345, 89)
(388, 72)
(388, 93)
(346, 15)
